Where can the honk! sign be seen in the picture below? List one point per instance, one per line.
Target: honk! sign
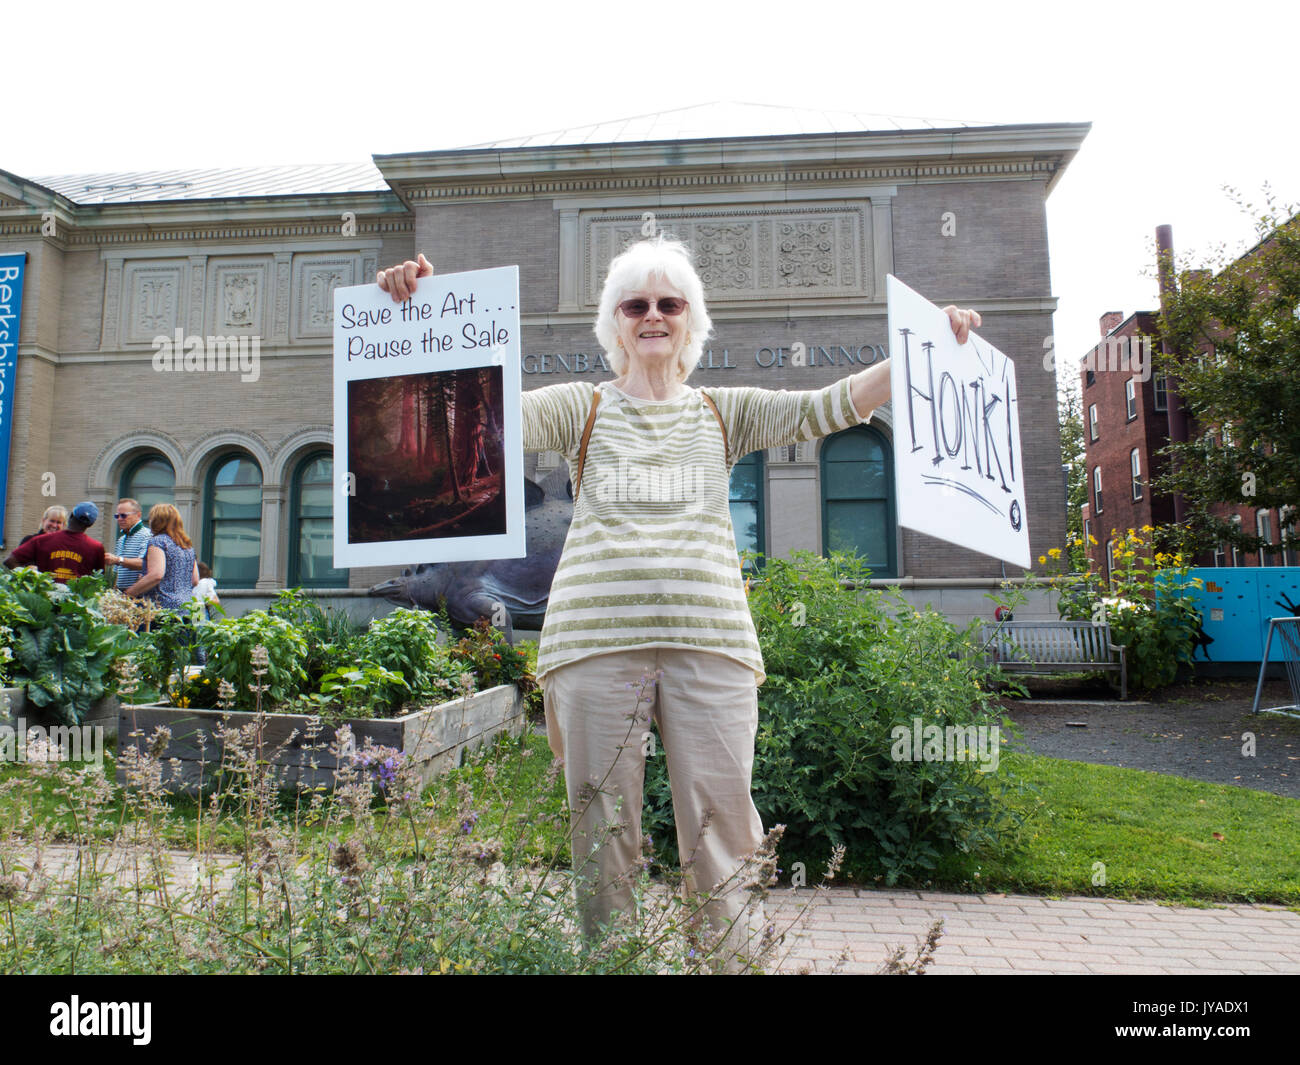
(957, 455)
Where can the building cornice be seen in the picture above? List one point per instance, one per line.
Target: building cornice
(290, 218)
(1041, 151)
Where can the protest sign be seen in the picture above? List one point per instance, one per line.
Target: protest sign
(957, 459)
(428, 444)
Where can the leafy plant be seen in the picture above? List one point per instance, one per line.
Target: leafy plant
(405, 641)
(846, 667)
(363, 692)
(330, 633)
(229, 644)
(63, 649)
(1146, 604)
(493, 659)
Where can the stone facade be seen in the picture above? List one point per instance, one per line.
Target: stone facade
(793, 236)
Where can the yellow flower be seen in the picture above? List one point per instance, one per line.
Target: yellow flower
(1092, 540)
(1042, 560)
(1055, 552)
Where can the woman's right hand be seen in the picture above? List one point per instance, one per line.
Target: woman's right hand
(399, 281)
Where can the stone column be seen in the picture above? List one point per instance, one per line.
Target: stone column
(187, 499)
(268, 576)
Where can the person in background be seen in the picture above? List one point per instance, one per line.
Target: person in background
(170, 569)
(205, 591)
(66, 553)
(53, 520)
(132, 540)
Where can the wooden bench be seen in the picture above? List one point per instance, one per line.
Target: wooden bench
(1054, 647)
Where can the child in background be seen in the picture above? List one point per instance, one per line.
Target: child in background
(206, 590)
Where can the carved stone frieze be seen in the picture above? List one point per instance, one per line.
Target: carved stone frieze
(238, 296)
(155, 300)
(765, 252)
(316, 278)
(280, 330)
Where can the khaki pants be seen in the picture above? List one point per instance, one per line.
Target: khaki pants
(598, 713)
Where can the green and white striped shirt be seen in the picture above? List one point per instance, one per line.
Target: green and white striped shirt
(650, 559)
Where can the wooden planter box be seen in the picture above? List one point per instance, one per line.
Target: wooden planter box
(436, 738)
(14, 705)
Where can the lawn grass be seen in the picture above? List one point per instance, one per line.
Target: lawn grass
(1155, 834)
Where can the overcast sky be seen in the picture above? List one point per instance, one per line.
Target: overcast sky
(1181, 102)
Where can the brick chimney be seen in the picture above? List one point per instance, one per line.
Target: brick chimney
(1110, 320)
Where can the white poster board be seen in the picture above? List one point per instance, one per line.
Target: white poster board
(428, 445)
(957, 461)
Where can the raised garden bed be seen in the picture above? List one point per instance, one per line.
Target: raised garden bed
(15, 706)
(435, 738)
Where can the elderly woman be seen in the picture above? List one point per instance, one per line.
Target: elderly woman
(53, 520)
(170, 568)
(647, 613)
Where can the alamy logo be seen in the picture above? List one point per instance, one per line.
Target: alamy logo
(57, 743)
(209, 354)
(102, 1018)
(951, 743)
(643, 482)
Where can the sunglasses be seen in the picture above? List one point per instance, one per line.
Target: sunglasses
(670, 307)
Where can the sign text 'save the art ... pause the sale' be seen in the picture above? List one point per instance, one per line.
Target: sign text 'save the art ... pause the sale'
(428, 440)
(958, 466)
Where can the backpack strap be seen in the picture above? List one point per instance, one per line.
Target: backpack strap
(582, 448)
(726, 448)
(591, 420)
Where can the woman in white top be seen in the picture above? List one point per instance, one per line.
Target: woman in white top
(647, 613)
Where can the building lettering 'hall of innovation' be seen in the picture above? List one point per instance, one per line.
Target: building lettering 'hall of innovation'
(793, 234)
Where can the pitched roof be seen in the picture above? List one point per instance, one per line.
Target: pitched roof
(214, 184)
(725, 119)
(718, 120)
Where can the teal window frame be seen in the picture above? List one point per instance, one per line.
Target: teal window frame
(124, 489)
(754, 460)
(890, 497)
(210, 518)
(339, 577)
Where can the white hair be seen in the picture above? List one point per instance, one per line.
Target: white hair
(667, 260)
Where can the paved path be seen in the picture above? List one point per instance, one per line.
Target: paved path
(1029, 934)
(981, 933)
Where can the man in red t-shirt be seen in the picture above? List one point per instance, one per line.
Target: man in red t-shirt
(67, 554)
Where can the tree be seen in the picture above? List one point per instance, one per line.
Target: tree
(1074, 458)
(1234, 340)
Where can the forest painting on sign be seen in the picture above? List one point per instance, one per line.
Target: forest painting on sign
(426, 451)
(428, 443)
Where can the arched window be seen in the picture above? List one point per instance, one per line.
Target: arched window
(232, 501)
(149, 479)
(746, 500)
(311, 525)
(858, 498)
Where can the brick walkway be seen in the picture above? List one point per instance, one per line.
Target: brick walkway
(981, 933)
(1029, 934)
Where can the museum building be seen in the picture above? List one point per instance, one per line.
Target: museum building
(793, 231)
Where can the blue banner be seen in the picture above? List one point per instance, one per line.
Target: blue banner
(11, 312)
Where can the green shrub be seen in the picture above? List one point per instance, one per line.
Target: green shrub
(405, 642)
(63, 649)
(846, 667)
(330, 633)
(1146, 603)
(229, 644)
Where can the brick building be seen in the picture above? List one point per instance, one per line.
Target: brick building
(794, 233)
(1128, 417)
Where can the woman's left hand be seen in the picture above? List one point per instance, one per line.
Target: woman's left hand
(963, 321)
